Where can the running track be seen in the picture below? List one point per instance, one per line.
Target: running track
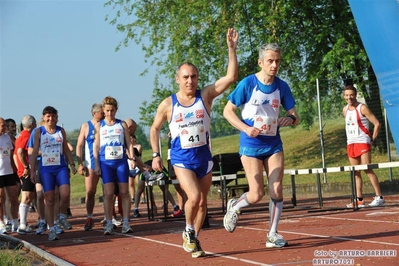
(314, 235)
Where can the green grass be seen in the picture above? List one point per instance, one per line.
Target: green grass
(9, 257)
(302, 150)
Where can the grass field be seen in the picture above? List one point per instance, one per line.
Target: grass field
(302, 149)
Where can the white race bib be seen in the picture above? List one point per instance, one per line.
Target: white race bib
(113, 152)
(267, 125)
(5, 153)
(51, 158)
(352, 131)
(192, 137)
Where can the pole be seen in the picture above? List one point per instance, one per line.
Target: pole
(388, 144)
(321, 130)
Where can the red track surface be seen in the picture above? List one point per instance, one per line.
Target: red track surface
(313, 234)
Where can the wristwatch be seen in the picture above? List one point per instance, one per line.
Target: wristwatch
(155, 154)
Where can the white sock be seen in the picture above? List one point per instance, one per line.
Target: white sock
(241, 202)
(23, 213)
(275, 210)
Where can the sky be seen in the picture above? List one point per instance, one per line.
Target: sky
(62, 54)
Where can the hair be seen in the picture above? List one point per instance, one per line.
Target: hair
(27, 121)
(350, 87)
(187, 64)
(8, 121)
(95, 108)
(133, 136)
(110, 101)
(49, 110)
(268, 46)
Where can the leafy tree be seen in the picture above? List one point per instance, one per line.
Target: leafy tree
(319, 39)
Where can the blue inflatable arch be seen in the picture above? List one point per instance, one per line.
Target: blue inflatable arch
(378, 25)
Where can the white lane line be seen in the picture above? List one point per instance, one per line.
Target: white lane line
(351, 219)
(324, 236)
(207, 252)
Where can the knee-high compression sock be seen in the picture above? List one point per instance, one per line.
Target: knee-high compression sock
(241, 202)
(23, 213)
(275, 210)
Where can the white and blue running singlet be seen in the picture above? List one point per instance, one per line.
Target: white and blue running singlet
(189, 127)
(89, 157)
(260, 108)
(112, 141)
(51, 146)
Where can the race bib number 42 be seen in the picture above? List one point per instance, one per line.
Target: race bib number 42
(51, 158)
(113, 152)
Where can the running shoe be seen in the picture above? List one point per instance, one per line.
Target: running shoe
(14, 228)
(126, 228)
(64, 223)
(108, 229)
(199, 252)
(68, 213)
(154, 178)
(116, 222)
(377, 202)
(231, 217)
(32, 208)
(37, 223)
(360, 204)
(178, 213)
(189, 243)
(42, 228)
(23, 230)
(58, 229)
(52, 235)
(136, 213)
(3, 229)
(275, 241)
(143, 201)
(89, 224)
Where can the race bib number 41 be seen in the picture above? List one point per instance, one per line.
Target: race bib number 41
(267, 125)
(192, 137)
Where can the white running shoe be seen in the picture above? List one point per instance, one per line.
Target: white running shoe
(231, 217)
(377, 202)
(275, 241)
(154, 178)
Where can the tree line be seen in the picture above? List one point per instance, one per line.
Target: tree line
(319, 40)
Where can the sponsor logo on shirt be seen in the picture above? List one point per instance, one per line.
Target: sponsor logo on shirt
(199, 113)
(191, 114)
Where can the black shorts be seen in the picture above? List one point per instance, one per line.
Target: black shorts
(8, 180)
(27, 184)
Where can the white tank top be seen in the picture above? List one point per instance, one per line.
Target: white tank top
(357, 126)
(5, 155)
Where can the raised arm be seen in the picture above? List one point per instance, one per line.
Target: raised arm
(212, 91)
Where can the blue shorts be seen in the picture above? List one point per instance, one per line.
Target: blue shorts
(200, 169)
(114, 170)
(50, 179)
(260, 153)
(134, 172)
